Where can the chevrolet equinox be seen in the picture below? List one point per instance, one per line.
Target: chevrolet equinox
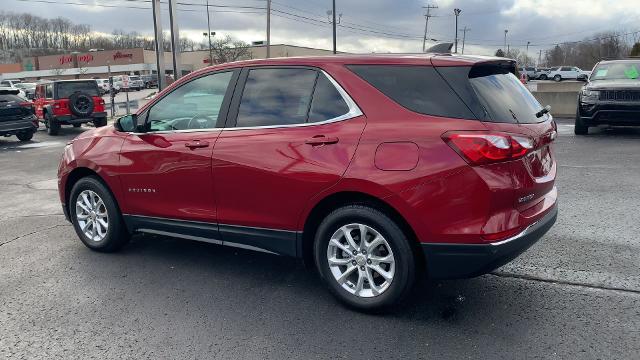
(374, 168)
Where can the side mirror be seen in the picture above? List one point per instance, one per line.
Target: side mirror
(129, 123)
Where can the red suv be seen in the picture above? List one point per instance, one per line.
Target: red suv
(69, 102)
(371, 167)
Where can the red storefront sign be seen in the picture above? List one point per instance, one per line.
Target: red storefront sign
(120, 55)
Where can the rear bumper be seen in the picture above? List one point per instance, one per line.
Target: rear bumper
(18, 126)
(70, 119)
(451, 261)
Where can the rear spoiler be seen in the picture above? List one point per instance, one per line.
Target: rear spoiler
(9, 91)
(442, 48)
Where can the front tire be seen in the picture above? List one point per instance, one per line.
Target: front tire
(557, 78)
(96, 217)
(580, 127)
(364, 258)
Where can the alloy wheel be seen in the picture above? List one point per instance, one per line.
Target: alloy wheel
(361, 260)
(92, 216)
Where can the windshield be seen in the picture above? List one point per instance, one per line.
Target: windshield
(25, 85)
(65, 89)
(627, 70)
(133, 78)
(505, 99)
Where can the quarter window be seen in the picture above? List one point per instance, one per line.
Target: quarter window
(327, 102)
(276, 97)
(194, 105)
(417, 88)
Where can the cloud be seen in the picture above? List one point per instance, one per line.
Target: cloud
(367, 25)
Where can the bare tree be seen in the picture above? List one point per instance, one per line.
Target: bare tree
(227, 49)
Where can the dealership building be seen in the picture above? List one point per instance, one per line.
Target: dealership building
(99, 64)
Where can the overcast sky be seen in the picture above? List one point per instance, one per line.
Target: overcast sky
(366, 25)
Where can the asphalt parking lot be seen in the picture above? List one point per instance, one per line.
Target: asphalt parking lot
(574, 295)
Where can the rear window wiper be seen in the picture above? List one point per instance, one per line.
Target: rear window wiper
(545, 110)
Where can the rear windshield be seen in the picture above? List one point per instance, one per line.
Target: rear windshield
(5, 98)
(503, 96)
(417, 88)
(627, 70)
(65, 89)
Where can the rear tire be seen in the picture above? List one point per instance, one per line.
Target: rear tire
(543, 77)
(52, 125)
(91, 206)
(99, 122)
(350, 276)
(25, 136)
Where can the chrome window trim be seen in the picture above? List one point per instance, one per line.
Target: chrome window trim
(354, 111)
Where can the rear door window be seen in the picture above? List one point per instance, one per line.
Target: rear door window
(418, 88)
(276, 96)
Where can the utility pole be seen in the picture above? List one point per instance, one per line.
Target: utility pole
(456, 12)
(334, 27)
(426, 24)
(157, 27)
(526, 55)
(505, 41)
(540, 58)
(175, 39)
(268, 29)
(464, 35)
(209, 35)
(331, 15)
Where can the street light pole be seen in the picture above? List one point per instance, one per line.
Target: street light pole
(456, 12)
(505, 41)
(157, 27)
(526, 55)
(175, 39)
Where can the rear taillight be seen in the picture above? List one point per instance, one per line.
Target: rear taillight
(29, 106)
(479, 148)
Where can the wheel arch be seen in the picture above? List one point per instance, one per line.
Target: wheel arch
(81, 172)
(342, 198)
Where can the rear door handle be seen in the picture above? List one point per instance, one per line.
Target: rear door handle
(321, 140)
(195, 144)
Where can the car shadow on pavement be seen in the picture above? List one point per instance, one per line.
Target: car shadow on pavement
(237, 275)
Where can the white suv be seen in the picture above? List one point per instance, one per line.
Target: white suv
(567, 73)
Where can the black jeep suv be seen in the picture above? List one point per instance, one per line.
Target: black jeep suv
(611, 96)
(69, 102)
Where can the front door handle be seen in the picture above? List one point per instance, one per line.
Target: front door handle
(321, 140)
(196, 144)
